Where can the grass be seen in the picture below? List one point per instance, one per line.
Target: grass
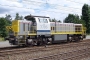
(1, 39)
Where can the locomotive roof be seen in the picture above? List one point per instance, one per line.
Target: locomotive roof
(32, 16)
(77, 24)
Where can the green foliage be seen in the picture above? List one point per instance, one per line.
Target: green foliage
(18, 17)
(21, 17)
(3, 24)
(86, 16)
(71, 18)
(8, 19)
(54, 20)
(59, 21)
(1, 39)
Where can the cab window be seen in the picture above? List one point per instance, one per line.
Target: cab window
(43, 20)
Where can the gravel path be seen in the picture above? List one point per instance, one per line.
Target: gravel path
(88, 37)
(5, 44)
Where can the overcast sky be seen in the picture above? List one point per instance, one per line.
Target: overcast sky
(58, 9)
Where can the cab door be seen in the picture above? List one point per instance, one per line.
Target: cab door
(43, 26)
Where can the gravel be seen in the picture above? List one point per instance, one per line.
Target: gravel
(5, 44)
(37, 54)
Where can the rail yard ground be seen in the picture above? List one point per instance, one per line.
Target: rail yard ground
(5, 44)
(70, 51)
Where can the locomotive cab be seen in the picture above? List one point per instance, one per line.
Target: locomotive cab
(43, 25)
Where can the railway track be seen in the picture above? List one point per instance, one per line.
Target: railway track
(4, 53)
(18, 48)
(71, 55)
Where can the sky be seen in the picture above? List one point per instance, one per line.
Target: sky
(58, 9)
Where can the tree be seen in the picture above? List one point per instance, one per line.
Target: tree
(59, 21)
(3, 24)
(8, 19)
(71, 18)
(18, 17)
(54, 20)
(86, 16)
(21, 17)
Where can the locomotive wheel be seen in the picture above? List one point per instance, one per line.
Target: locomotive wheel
(23, 45)
(29, 43)
(70, 39)
(77, 39)
(38, 43)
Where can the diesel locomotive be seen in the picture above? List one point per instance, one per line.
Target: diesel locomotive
(37, 30)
